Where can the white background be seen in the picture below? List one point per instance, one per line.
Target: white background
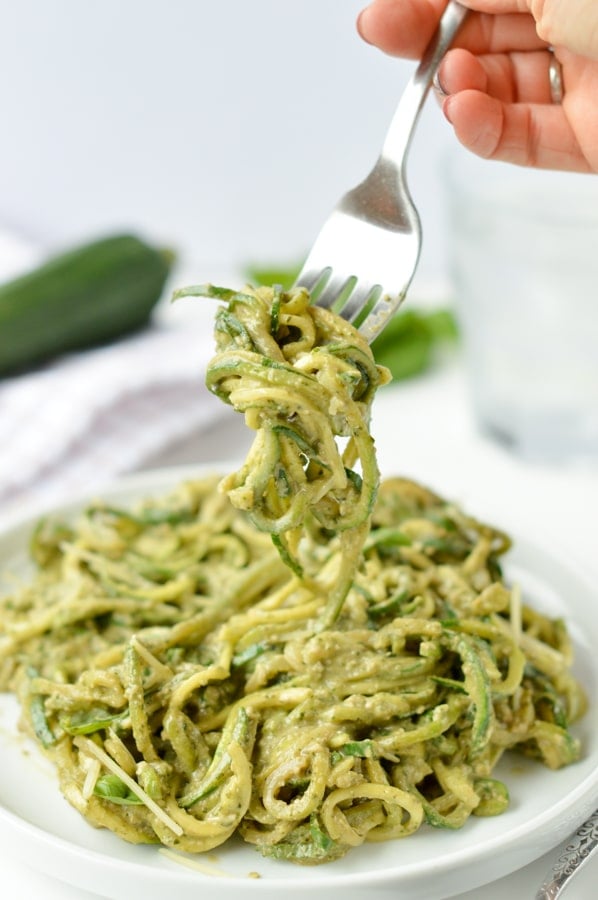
(228, 129)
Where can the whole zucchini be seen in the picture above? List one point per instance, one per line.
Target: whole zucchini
(86, 296)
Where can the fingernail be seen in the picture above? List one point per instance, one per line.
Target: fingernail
(360, 24)
(446, 108)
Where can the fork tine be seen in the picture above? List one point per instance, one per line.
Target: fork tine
(379, 315)
(333, 289)
(367, 251)
(359, 299)
(309, 278)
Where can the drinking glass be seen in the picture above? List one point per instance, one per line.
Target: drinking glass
(523, 256)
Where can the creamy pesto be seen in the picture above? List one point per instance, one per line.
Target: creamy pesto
(295, 653)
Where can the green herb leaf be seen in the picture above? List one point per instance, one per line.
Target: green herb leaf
(37, 712)
(248, 654)
(266, 274)
(408, 343)
(110, 787)
(362, 749)
(90, 720)
(308, 843)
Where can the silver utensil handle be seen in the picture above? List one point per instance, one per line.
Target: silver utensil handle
(573, 853)
(410, 105)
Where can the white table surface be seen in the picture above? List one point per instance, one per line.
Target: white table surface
(424, 430)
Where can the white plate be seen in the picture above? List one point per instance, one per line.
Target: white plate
(39, 827)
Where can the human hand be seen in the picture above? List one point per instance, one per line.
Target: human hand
(495, 79)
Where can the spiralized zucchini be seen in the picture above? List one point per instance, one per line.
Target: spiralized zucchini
(305, 380)
(191, 679)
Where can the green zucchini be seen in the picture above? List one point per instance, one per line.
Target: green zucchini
(87, 296)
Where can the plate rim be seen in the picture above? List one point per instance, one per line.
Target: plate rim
(136, 483)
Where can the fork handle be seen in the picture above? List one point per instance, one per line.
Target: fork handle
(573, 853)
(398, 138)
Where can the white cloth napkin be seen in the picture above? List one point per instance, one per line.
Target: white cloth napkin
(78, 422)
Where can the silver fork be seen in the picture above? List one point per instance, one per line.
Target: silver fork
(573, 853)
(365, 256)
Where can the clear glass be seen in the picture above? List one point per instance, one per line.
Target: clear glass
(523, 253)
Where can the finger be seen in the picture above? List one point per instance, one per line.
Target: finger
(526, 134)
(565, 23)
(404, 27)
(510, 77)
(498, 7)
(498, 34)
(400, 27)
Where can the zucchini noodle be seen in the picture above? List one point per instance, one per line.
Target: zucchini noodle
(304, 378)
(294, 654)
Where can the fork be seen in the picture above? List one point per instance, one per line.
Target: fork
(574, 852)
(366, 254)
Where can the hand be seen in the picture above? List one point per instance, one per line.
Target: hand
(495, 79)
